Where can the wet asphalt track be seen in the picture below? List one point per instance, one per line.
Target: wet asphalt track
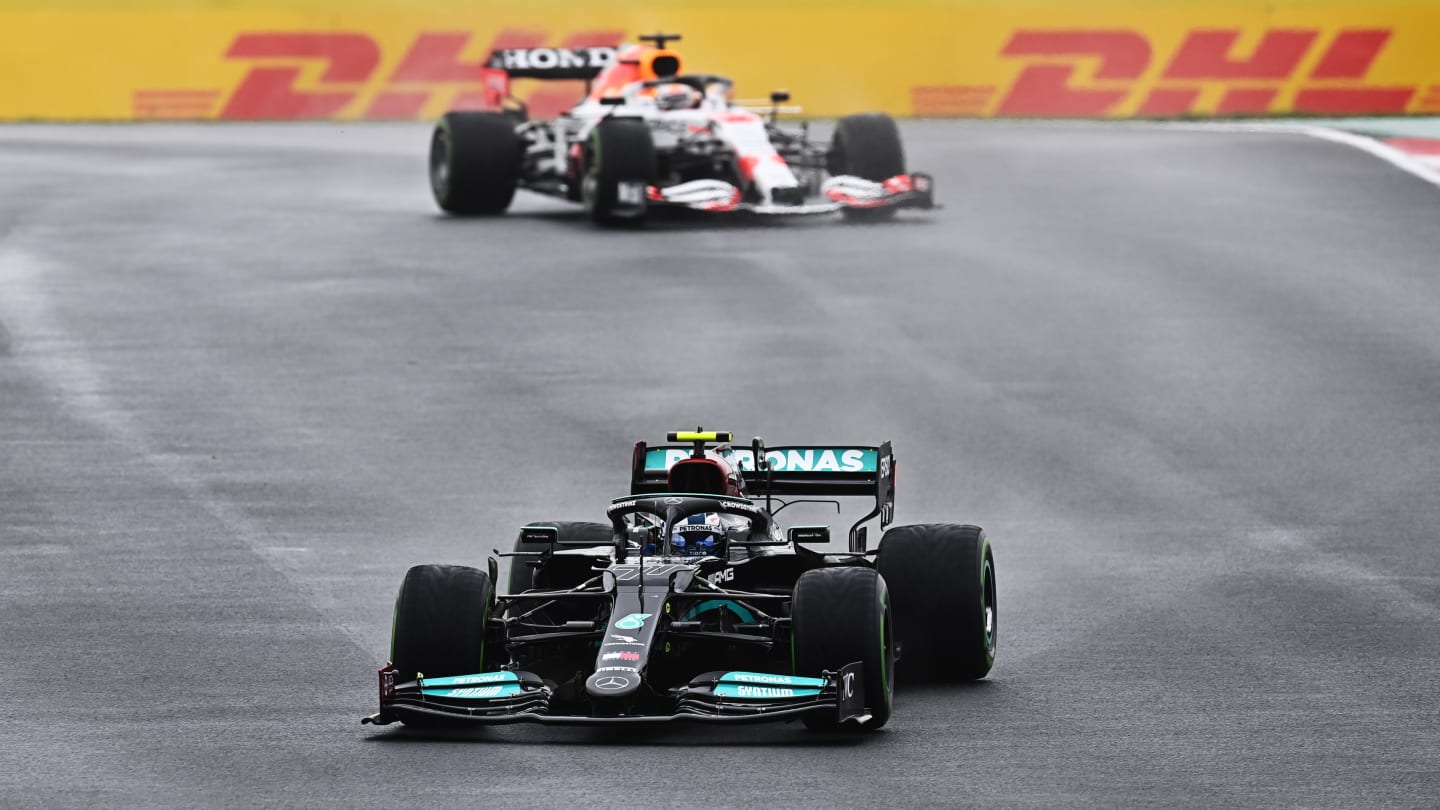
(1189, 381)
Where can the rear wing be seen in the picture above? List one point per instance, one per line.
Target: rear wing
(799, 471)
(539, 63)
(553, 63)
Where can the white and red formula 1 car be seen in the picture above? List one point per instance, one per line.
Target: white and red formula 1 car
(648, 135)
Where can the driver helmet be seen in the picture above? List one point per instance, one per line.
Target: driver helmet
(676, 96)
(699, 535)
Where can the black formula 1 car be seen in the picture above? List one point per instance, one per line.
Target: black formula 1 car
(691, 604)
(647, 135)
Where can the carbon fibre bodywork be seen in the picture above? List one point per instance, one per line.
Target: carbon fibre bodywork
(639, 631)
(710, 152)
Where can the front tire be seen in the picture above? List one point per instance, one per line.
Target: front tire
(620, 166)
(840, 616)
(475, 163)
(946, 613)
(867, 146)
(440, 618)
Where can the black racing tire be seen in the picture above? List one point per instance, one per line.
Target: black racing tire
(840, 616)
(439, 624)
(475, 163)
(947, 618)
(522, 576)
(618, 150)
(867, 146)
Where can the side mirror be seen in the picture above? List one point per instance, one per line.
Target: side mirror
(640, 536)
(809, 535)
(539, 534)
(779, 96)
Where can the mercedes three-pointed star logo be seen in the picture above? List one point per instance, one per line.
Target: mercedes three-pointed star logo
(612, 682)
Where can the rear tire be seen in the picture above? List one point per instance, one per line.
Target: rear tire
(475, 163)
(840, 616)
(439, 625)
(946, 614)
(867, 146)
(522, 576)
(620, 153)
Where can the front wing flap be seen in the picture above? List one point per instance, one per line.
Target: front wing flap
(840, 192)
(502, 698)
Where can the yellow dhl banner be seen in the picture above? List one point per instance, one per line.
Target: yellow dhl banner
(328, 59)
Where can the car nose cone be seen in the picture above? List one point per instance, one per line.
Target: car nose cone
(612, 683)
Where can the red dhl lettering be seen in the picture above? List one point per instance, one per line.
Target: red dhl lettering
(1046, 89)
(269, 92)
(1103, 72)
(1056, 72)
(1208, 54)
(349, 67)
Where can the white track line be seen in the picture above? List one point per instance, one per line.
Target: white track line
(1398, 158)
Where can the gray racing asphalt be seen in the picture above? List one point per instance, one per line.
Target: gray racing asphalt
(1189, 381)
